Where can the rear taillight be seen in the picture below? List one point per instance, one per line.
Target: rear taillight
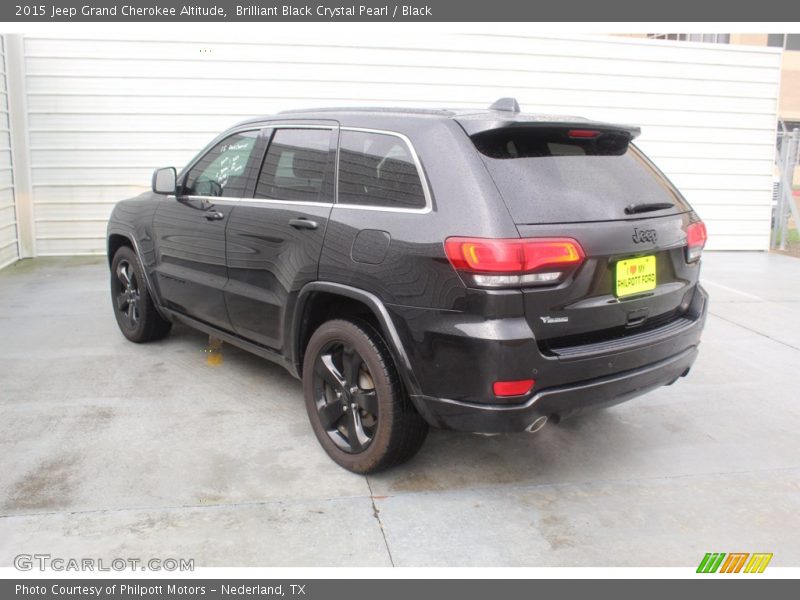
(513, 262)
(696, 237)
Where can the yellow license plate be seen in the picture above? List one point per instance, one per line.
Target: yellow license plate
(635, 275)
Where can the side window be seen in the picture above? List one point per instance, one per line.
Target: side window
(225, 170)
(378, 170)
(294, 166)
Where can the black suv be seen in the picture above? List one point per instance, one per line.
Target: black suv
(481, 270)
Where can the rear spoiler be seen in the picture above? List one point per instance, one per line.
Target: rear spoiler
(505, 113)
(482, 122)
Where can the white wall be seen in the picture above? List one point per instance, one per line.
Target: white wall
(103, 113)
(9, 249)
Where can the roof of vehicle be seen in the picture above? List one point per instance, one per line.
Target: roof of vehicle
(503, 113)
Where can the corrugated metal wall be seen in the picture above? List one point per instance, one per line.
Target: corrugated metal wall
(104, 112)
(9, 249)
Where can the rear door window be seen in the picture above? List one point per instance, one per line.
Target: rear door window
(295, 164)
(378, 169)
(553, 175)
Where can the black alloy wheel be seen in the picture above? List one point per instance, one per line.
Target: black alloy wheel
(136, 315)
(345, 397)
(127, 294)
(356, 403)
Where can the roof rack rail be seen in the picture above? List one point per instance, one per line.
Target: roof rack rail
(506, 104)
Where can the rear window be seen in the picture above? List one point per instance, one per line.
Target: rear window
(559, 175)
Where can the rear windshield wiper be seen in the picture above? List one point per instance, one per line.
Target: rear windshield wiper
(632, 209)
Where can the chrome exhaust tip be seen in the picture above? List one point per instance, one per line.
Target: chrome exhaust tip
(537, 424)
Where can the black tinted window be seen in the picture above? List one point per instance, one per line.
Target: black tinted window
(294, 166)
(555, 176)
(228, 169)
(378, 170)
(776, 40)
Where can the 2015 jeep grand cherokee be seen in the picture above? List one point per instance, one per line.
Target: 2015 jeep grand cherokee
(472, 270)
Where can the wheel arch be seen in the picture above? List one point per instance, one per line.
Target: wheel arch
(320, 301)
(116, 241)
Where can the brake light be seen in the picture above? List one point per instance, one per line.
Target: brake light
(513, 262)
(513, 388)
(696, 236)
(583, 133)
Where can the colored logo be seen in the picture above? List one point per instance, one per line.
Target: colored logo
(735, 562)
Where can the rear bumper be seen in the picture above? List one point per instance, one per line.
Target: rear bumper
(562, 401)
(455, 362)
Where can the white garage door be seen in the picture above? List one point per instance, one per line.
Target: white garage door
(104, 112)
(9, 249)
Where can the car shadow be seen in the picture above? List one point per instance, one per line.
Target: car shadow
(587, 447)
(576, 449)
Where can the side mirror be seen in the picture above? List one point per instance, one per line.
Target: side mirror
(164, 180)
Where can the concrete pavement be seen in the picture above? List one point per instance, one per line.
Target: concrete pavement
(112, 449)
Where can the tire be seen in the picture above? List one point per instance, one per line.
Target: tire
(355, 401)
(134, 310)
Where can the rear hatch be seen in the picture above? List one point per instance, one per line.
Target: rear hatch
(586, 181)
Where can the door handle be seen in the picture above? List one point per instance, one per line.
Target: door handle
(213, 215)
(303, 224)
